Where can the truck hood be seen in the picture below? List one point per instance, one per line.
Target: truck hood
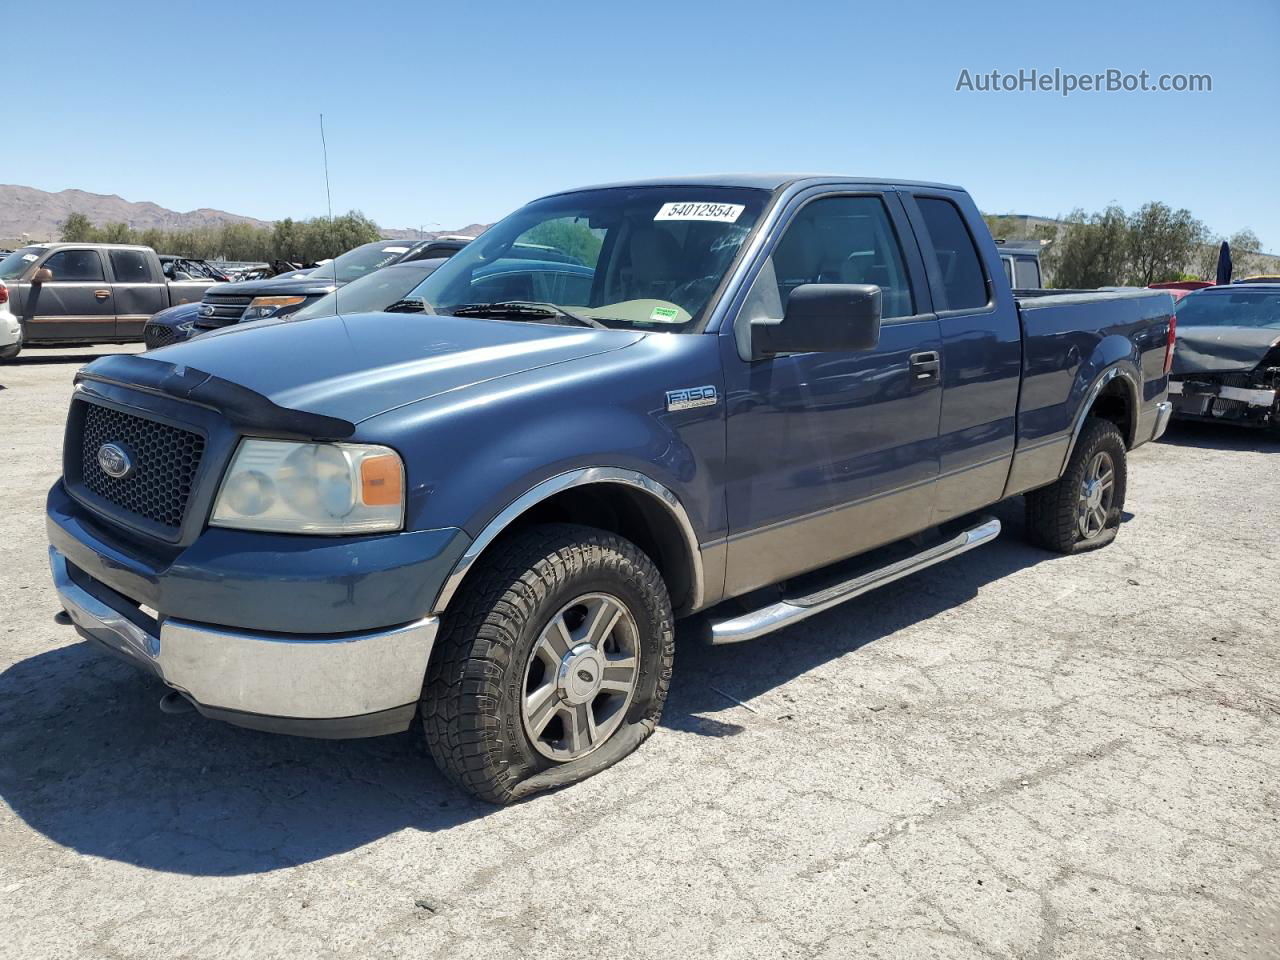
(357, 366)
(1221, 349)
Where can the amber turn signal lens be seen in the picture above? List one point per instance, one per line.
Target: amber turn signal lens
(380, 482)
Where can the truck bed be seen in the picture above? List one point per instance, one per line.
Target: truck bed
(1069, 337)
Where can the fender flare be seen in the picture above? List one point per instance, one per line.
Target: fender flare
(581, 477)
(1100, 384)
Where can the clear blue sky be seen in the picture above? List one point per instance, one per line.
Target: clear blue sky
(448, 113)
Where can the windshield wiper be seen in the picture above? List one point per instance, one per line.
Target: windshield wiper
(524, 308)
(411, 305)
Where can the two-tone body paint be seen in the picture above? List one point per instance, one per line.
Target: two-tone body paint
(108, 310)
(801, 460)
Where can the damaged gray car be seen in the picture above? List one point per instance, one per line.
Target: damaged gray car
(1226, 365)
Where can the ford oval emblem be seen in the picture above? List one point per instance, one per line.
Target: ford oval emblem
(115, 461)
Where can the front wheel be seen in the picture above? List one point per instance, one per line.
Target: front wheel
(1082, 510)
(554, 665)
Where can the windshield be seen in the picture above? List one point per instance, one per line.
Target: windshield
(373, 293)
(13, 266)
(1253, 308)
(629, 257)
(362, 261)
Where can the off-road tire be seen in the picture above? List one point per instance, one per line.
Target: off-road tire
(1052, 511)
(471, 700)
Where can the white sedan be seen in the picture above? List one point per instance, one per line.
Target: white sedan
(10, 329)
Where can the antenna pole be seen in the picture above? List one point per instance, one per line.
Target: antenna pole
(324, 148)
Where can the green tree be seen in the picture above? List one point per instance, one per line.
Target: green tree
(1003, 227)
(569, 236)
(1246, 254)
(114, 233)
(296, 240)
(1161, 243)
(1091, 250)
(76, 228)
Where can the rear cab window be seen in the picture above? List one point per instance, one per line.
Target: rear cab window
(130, 266)
(959, 269)
(1027, 273)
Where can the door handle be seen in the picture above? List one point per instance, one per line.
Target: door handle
(102, 294)
(925, 366)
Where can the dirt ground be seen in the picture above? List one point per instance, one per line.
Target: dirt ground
(1010, 755)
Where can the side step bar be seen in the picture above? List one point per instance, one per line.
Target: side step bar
(784, 613)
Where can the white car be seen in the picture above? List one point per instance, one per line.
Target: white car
(10, 330)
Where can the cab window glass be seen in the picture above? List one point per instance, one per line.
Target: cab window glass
(71, 265)
(844, 240)
(962, 277)
(1028, 272)
(130, 266)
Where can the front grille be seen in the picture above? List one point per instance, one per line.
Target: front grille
(227, 309)
(165, 461)
(158, 335)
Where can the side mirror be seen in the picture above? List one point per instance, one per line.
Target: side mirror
(43, 275)
(821, 318)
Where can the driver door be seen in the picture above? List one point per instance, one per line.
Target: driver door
(75, 305)
(831, 454)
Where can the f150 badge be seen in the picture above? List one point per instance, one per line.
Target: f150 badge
(690, 397)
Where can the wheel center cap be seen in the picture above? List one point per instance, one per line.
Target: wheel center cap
(1093, 494)
(581, 671)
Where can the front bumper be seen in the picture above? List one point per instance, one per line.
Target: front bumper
(263, 582)
(1208, 399)
(348, 685)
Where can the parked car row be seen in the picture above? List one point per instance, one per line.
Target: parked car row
(735, 400)
(65, 294)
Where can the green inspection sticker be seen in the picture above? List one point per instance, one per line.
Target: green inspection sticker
(665, 315)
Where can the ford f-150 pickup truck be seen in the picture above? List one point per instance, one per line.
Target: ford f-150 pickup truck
(85, 293)
(775, 394)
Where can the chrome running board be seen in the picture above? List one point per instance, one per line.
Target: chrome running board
(784, 613)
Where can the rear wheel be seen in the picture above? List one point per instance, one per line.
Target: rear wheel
(554, 665)
(1082, 510)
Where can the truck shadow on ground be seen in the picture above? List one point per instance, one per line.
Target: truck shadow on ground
(1221, 436)
(88, 760)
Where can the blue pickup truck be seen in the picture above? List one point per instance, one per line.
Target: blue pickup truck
(773, 394)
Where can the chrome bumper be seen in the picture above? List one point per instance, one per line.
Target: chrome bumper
(1164, 410)
(347, 685)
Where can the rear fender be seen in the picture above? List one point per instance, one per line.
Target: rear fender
(1123, 372)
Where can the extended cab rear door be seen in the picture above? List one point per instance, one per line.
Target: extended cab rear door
(139, 289)
(831, 454)
(981, 348)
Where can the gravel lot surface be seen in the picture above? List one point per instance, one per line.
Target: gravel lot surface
(1011, 755)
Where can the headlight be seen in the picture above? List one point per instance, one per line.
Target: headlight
(294, 487)
(262, 307)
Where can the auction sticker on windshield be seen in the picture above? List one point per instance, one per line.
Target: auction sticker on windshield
(719, 212)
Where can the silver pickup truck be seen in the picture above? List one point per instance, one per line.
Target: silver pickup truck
(86, 293)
